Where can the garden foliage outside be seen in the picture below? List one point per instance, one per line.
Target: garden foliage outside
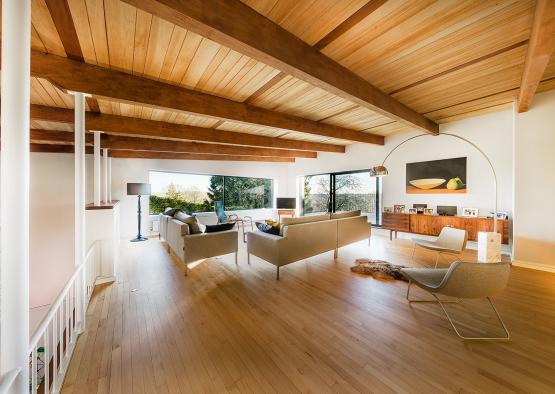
(237, 193)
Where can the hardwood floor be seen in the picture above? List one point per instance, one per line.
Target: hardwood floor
(228, 328)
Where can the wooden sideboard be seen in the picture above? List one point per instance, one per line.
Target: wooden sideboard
(432, 224)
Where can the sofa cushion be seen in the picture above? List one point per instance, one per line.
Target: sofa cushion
(268, 228)
(345, 214)
(194, 225)
(170, 211)
(305, 219)
(219, 227)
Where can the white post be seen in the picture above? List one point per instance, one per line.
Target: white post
(110, 179)
(14, 191)
(80, 207)
(105, 175)
(96, 170)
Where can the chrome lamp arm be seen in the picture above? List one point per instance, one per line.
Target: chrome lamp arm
(381, 170)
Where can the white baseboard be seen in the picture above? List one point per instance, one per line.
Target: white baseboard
(104, 279)
(534, 266)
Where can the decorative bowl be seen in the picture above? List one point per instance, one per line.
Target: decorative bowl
(427, 183)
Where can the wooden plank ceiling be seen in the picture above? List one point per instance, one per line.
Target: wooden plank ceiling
(445, 59)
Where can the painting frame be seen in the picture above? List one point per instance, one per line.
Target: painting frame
(444, 176)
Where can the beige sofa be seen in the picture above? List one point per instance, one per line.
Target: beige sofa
(308, 236)
(191, 248)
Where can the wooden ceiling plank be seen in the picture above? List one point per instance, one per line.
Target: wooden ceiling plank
(540, 49)
(193, 156)
(115, 124)
(236, 25)
(123, 87)
(460, 66)
(348, 23)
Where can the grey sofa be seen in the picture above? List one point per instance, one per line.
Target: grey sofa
(308, 236)
(190, 248)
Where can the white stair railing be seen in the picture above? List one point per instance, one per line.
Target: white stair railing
(57, 334)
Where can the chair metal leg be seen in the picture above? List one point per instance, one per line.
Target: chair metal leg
(277, 273)
(505, 338)
(426, 301)
(248, 258)
(236, 258)
(335, 253)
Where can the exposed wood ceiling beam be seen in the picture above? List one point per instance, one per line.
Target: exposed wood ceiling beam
(115, 124)
(192, 156)
(115, 85)
(149, 144)
(143, 144)
(349, 23)
(239, 27)
(61, 15)
(52, 148)
(540, 49)
(58, 136)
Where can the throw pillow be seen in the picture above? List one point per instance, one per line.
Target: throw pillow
(219, 227)
(170, 211)
(268, 228)
(195, 226)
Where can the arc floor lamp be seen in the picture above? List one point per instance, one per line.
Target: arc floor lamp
(381, 170)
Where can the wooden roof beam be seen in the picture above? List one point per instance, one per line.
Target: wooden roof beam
(540, 49)
(158, 145)
(193, 156)
(61, 16)
(239, 27)
(115, 85)
(115, 124)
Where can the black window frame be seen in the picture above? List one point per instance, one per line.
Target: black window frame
(331, 204)
(223, 186)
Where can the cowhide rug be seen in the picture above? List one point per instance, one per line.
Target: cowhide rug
(379, 269)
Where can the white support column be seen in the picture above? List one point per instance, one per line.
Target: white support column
(109, 179)
(14, 191)
(96, 186)
(105, 175)
(80, 206)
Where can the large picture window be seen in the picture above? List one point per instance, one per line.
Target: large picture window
(342, 191)
(198, 193)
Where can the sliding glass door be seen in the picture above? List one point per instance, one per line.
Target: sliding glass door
(342, 191)
(316, 193)
(356, 190)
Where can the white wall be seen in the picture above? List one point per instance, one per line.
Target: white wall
(52, 224)
(136, 170)
(492, 133)
(534, 223)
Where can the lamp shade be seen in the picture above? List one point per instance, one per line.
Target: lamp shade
(378, 171)
(138, 189)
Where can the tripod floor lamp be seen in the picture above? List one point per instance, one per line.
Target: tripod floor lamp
(138, 189)
(489, 243)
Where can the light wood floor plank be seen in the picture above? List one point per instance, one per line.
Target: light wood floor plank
(234, 328)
